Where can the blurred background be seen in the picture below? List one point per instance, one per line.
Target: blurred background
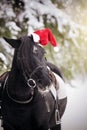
(68, 21)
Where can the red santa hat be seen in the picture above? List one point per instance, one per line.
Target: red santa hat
(44, 36)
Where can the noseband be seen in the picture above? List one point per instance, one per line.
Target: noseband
(30, 81)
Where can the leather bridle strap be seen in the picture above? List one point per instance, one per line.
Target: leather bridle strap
(15, 100)
(29, 80)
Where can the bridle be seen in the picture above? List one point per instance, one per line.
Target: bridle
(28, 79)
(31, 83)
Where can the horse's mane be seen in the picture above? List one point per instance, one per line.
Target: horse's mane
(55, 69)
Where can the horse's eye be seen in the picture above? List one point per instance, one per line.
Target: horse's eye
(34, 49)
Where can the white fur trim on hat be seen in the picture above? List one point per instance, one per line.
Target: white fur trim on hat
(36, 37)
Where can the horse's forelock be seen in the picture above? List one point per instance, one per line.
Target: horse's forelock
(29, 48)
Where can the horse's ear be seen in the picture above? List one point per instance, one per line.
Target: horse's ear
(15, 43)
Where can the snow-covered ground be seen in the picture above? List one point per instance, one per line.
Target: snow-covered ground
(75, 116)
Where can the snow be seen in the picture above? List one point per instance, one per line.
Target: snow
(6, 56)
(3, 57)
(75, 116)
(34, 12)
(13, 28)
(34, 9)
(6, 46)
(6, 11)
(66, 25)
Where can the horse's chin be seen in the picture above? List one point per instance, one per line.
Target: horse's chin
(44, 82)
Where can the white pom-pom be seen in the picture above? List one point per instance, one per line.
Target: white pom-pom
(36, 37)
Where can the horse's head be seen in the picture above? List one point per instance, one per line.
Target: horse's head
(30, 60)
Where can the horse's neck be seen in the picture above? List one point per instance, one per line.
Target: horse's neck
(15, 81)
(14, 78)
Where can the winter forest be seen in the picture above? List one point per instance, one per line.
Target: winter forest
(67, 20)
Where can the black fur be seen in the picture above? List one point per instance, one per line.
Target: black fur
(28, 62)
(28, 56)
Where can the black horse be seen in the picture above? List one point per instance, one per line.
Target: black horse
(23, 106)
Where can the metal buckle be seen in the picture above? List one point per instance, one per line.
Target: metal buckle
(31, 83)
(57, 117)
